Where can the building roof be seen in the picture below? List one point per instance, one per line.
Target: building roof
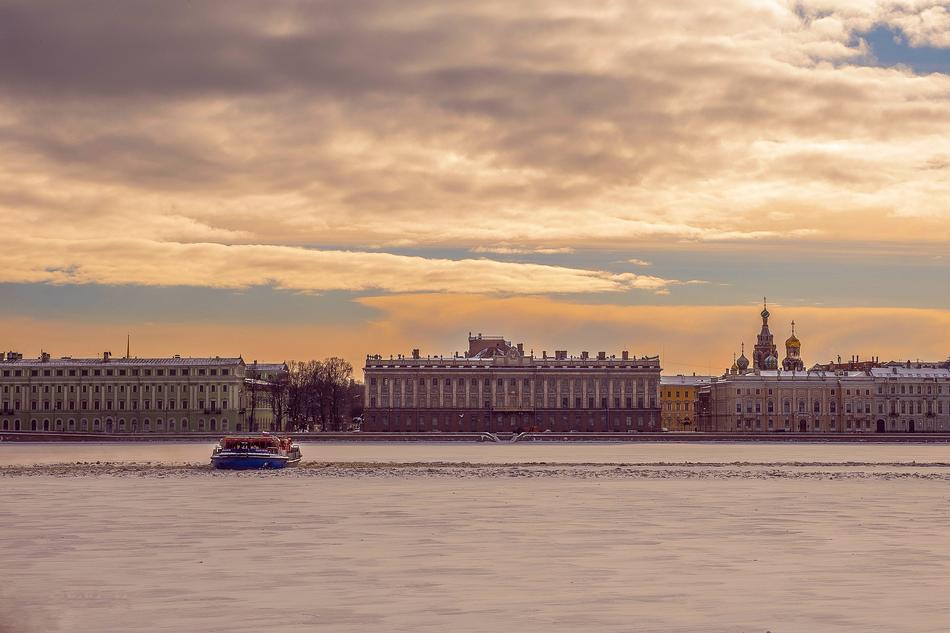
(689, 381)
(795, 375)
(910, 372)
(267, 366)
(175, 361)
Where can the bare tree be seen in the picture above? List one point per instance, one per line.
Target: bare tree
(278, 399)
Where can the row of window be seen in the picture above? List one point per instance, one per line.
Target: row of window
(903, 389)
(159, 388)
(512, 383)
(499, 402)
(7, 373)
(84, 405)
(108, 425)
(906, 407)
(849, 425)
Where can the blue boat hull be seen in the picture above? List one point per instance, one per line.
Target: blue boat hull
(251, 461)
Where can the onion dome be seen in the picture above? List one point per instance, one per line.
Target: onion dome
(765, 310)
(742, 362)
(793, 340)
(771, 362)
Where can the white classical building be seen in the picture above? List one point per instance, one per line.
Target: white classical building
(105, 394)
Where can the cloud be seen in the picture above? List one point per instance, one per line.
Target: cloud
(514, 250)
(152, 263)
(639, 262)
(348, 124)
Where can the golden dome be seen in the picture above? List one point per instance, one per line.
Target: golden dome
(793, 340)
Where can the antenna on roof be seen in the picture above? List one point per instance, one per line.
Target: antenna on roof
(128, 345)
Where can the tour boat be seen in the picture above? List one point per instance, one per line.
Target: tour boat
(261, 451)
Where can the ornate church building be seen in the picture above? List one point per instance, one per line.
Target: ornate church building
(765, 353)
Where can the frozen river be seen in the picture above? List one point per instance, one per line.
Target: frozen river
(795, 538)
(490, 453)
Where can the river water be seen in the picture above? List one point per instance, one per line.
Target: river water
(488, 453)
(795, 545)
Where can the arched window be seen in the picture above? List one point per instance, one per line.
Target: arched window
(46, 425)
(6, 425)
(771, 407)
(184, 424)
(817, 407)
(214, 424)
(32, 425)
(787, 407)
(801, 406)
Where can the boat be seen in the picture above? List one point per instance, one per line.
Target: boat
(252, 452)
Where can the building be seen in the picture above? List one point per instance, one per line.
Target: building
(778, 401)
(857, 397)
(891, 399)
(259, 383)
(679, 399)
(497, 387)
(911, 399)
(106, 395)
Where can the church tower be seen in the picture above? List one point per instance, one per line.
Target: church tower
(765, 343)
(793, 353)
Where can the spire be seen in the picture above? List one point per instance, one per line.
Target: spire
(793, 328)
(128, 345)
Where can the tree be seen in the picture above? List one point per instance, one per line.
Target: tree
(320, 393)
(278, 399)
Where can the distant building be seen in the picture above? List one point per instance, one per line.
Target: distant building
(497, 387)
(105, 394)
(679, 400)
(260, 381)
(854, 397)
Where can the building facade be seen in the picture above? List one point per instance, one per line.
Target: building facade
(114, 395)
(497, 387)
(891, 400)
(858, 397)
(261, 379)
(679, 400)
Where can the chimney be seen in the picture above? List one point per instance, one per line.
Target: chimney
(105, 356)
(584, 355)
(3, 357)
(601, 355)
(415, 353)
(44, 357)
(560, 354)
(625, 355)
(521, 349)
(544, 354)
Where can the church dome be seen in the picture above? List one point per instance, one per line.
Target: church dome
(771, 362)
(793, 341)
(742, 362)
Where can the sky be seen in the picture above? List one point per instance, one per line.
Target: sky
(291, 180)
